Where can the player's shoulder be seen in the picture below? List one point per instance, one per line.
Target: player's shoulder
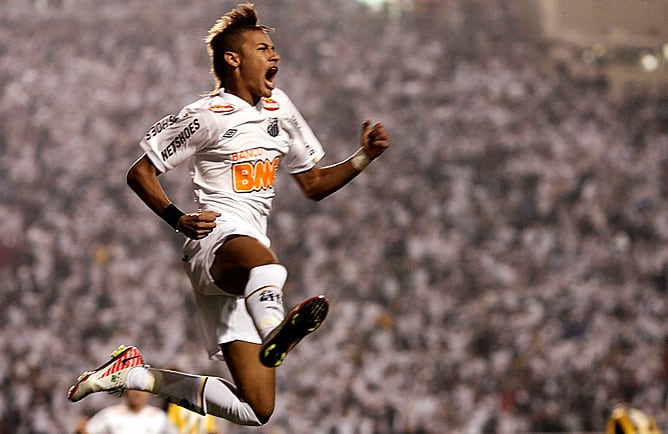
(278, 95)
(203, 104)
(204, 111)
(279, 102)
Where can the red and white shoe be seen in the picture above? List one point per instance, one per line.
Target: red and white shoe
(109, 377)
(302, 320)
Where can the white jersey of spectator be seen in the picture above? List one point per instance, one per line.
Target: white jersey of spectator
(120, 419)
(233, 162)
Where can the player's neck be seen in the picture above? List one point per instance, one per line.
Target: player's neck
(242, 93)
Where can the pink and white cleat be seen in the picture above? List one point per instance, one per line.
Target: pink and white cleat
(109, 377)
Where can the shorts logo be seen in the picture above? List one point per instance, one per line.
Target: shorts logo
(272, 129)
(270, 104)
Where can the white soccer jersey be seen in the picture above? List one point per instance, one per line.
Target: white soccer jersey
(234, 150)
(119, 419)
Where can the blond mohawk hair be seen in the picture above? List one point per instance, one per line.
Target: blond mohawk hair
(225, 36)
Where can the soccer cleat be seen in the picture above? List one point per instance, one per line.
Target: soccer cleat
(109, 377)
(302, 320)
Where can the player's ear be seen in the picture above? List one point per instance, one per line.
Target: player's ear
(232, 58)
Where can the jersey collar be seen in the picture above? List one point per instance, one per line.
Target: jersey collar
(234, 100)
(241, 103)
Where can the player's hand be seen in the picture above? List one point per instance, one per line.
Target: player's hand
(374, 139)
(197, 225)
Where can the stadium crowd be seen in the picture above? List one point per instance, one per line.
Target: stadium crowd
(514, 261)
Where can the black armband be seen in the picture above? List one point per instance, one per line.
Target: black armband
(172, 215)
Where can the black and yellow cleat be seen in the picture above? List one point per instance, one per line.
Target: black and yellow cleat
(302, 320)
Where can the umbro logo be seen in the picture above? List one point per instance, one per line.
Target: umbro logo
(229, 133)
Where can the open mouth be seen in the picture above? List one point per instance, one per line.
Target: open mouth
(270, 75)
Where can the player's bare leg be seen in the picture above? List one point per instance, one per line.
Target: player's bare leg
(255, 382)
(234, 260)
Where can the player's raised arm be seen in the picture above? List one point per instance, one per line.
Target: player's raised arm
(319, 182)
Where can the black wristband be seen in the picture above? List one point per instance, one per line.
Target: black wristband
(172, 215)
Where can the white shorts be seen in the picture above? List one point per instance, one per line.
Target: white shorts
(222, 316)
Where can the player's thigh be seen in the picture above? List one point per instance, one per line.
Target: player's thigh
(255, 382)
(234, 260)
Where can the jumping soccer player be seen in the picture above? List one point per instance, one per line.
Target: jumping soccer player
(234, 139)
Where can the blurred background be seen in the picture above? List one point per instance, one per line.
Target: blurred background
(502, 269)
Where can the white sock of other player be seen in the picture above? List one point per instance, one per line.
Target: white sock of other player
(264, 296)
(202, 394)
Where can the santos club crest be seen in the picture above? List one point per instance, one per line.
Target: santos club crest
(272, 129)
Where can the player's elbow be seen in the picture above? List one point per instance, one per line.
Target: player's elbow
(312, 185)
(313, 190)
(314, 194)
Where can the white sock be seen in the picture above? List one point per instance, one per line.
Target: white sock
(140, 378)
(221, 400)
(264, 296)
(212, 395)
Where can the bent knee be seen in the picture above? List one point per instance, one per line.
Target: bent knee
(263, 415)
